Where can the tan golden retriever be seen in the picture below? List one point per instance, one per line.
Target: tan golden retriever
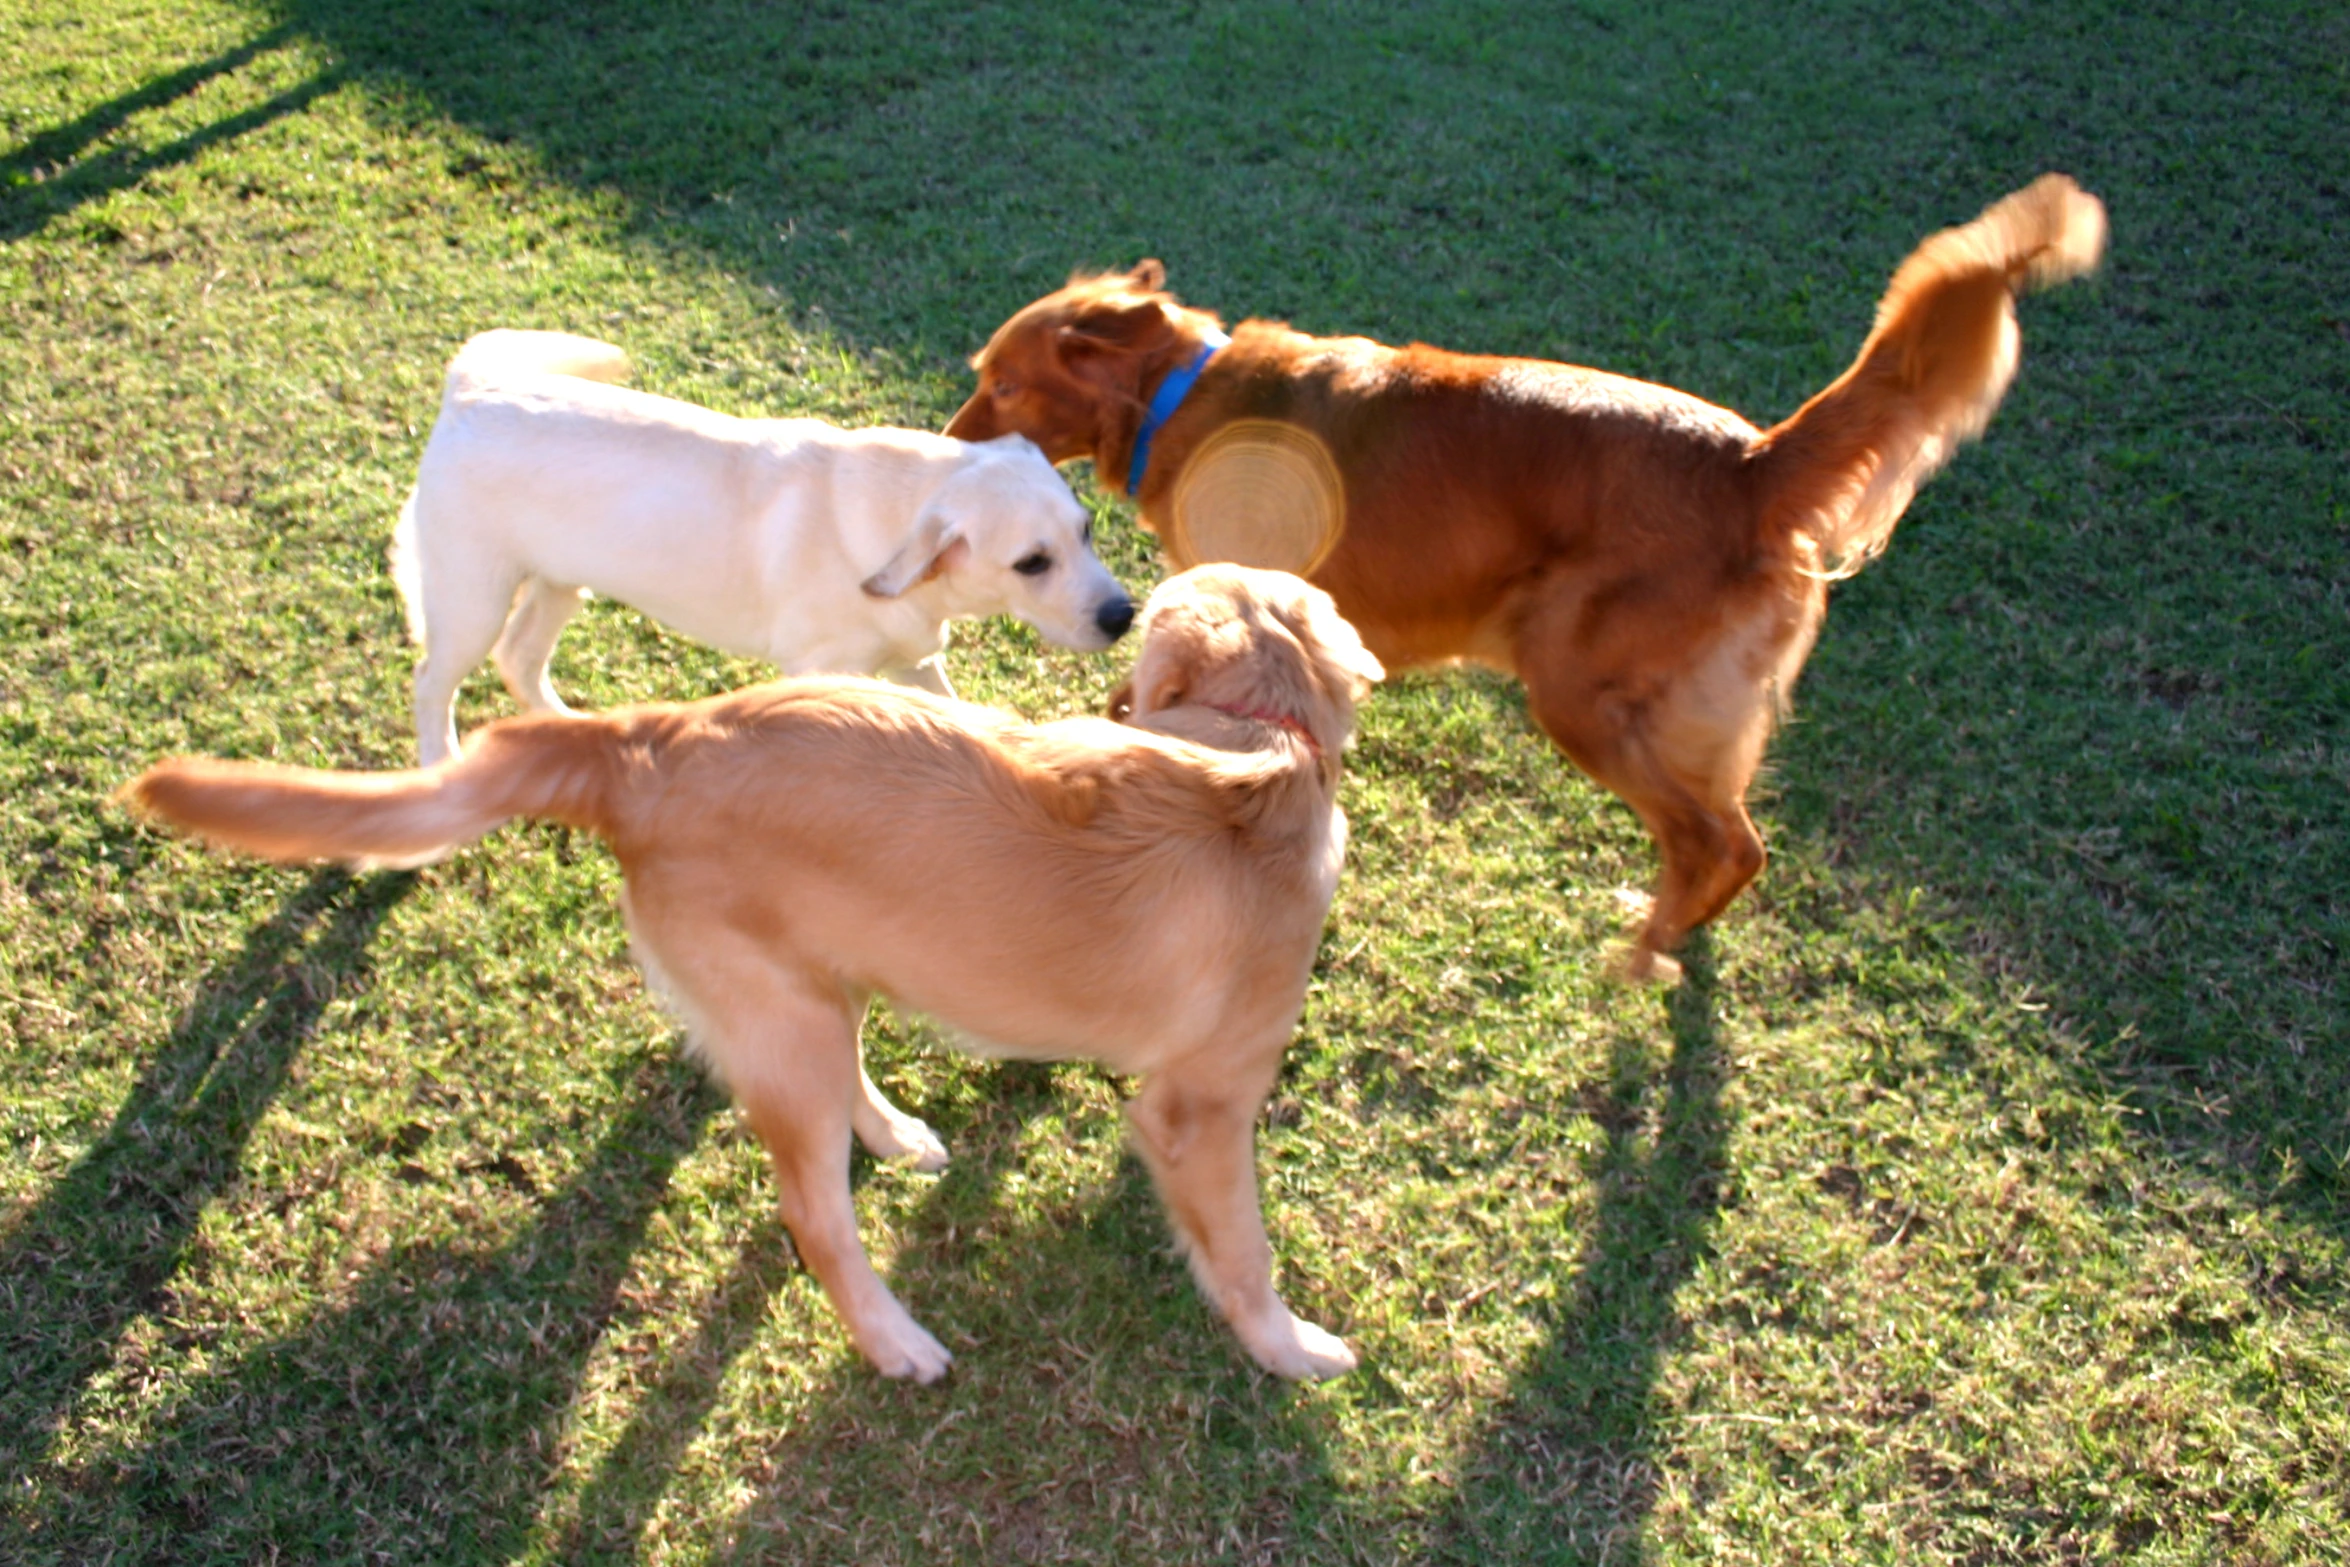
(1652, 567)
(1145, 894)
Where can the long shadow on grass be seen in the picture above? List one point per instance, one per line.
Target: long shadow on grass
(65, 183)
(606, 1522)
(1565, 1471)
(62, 144)
(419, 1420)
(102, 1245)
(1084, 1358)
(609, 1516)
(611, 1513)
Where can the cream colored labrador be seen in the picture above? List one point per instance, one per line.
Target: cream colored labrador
(812, 547)
(1147, 894)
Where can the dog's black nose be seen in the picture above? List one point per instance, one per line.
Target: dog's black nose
(1114, 617)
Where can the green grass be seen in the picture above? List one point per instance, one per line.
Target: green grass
(1983, 1197)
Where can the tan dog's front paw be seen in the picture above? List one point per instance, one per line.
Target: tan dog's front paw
(1298, 1350)
(903, 1349)
(890, 1133)
(926, 1149)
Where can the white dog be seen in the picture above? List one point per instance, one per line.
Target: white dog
(815, 548)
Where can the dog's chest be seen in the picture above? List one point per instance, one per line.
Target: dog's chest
(1328, 859)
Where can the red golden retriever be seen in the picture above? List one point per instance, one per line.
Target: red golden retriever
(1147, 894)
(1652, 567)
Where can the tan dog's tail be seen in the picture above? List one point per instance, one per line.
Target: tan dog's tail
(559, 767)
(1931, 374)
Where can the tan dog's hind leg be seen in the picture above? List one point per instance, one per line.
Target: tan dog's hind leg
(1197, 1132)
(787, 1048)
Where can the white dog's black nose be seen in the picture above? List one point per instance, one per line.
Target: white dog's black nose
(1114, 617)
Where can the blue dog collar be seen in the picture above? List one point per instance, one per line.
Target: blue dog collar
(1164, 402)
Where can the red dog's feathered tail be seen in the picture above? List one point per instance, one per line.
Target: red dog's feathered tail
(554, 766)
(1842, 469)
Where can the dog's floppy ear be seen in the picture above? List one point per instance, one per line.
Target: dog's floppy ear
(1149, 273)
(1334, 645)
(1161, 678)
(1349, 654)
(922, 557)
(1116, 327)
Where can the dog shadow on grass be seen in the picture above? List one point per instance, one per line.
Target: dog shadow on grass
(608, 1517)
(55, 171)
(412, 1420)
(424, 1416)
(1565, 1469)
(104, 1242)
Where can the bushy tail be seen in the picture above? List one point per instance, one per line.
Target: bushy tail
(1931, 374)
(553, 766)
(508, 351)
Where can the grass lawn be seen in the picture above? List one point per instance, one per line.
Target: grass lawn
(1983, 1196)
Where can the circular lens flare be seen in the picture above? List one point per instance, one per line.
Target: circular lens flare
(1258, 492)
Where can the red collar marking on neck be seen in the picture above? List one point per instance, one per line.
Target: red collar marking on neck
(1277, 720)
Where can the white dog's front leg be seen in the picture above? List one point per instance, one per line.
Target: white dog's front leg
(890, 1133)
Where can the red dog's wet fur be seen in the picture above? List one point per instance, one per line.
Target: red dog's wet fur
(1651, 566)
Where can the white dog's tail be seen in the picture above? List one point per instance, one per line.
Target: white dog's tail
(553, 766)
(506, 351)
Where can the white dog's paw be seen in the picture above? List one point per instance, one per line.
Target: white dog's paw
(902, 1136)
(921, 1146)
(1300, 1351)
(904, 1349)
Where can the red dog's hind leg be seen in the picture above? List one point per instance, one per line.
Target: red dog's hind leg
(1684, 766)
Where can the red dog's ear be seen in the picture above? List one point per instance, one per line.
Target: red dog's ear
(1150, 273)
(1117, 328)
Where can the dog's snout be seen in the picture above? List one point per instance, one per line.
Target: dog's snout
(1115, 616)
(972, 422)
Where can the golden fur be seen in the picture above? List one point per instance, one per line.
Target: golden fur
(1146, 894)
(1653, 567)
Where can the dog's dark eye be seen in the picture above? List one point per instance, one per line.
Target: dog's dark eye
(1033, 564)
(1004, 389)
